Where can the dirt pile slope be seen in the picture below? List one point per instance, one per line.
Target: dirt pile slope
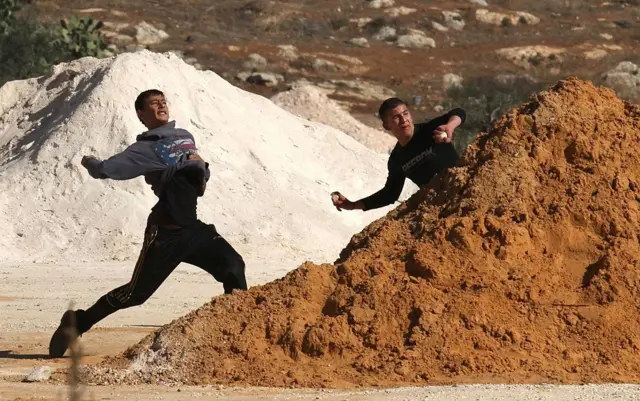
(521, 265)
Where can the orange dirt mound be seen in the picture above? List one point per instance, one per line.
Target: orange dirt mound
(521, 265)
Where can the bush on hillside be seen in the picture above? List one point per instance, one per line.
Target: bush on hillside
(29, 48)
(8, 9)
(485, 99)
(82, 37)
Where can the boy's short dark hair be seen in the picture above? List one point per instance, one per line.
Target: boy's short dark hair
(142, 97)
(388, 105)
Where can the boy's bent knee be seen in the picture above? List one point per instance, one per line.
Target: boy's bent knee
(235, 278)
(137, 299)
(237, 264)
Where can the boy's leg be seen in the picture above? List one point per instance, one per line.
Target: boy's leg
(216, 256)
(161, 253)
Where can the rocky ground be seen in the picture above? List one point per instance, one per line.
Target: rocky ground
(365, 51)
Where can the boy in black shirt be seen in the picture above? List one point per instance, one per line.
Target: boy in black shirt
(168, 159)
(422, 151)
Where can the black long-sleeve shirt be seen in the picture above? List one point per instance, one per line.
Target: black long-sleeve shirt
(419, 160)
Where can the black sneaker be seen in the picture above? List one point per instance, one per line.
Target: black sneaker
(64, 335)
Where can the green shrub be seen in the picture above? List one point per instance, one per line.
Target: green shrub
(29, 48)
(484, 99)
(8, 9)
(82, 37)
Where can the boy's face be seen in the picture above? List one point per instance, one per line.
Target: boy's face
(399, 121)
(155, 111)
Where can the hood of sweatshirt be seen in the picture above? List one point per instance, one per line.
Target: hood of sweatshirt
(161, 132)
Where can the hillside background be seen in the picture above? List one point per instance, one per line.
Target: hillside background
(485, 56)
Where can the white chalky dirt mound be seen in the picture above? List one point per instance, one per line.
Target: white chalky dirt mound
(312, 103)
(271, 172)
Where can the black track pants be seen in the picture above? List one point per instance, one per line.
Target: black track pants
(162, 251)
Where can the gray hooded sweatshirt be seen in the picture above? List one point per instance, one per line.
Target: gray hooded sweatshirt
(160, 155)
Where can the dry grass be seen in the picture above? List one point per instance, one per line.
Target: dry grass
(76, 390)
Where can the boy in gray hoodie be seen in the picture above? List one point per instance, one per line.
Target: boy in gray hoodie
(167, 157)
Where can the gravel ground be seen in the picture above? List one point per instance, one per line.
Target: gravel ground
(445, 393)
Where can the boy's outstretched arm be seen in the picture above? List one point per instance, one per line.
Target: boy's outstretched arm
(130, 163)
